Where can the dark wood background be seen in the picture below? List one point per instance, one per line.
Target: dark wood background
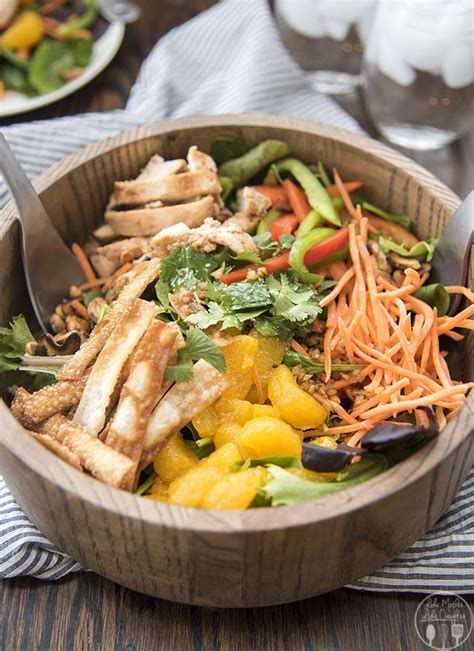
(87, 612)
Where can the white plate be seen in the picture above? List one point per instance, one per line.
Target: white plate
(104, 50)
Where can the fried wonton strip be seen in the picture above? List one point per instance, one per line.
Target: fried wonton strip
(75, 368)
(105, 373)
(139, 393)
(102, 462)
(149, 221)
(34, 408)
(173, 189)
(58, 449)
(182, 402)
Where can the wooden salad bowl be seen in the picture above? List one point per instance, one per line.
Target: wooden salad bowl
(231, 558)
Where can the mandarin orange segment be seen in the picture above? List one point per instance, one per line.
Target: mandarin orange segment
(227, 433)
(268, 437)
(233, 409)
(191, 488)
(296, 406)
(240, 360)
(174, 459)
(236, 490)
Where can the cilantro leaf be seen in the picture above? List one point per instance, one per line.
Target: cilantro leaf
(244, 295)
(186, 267)
(204, 320)
(16, 337)
(247, 256)
(180, 372)
(198, 346)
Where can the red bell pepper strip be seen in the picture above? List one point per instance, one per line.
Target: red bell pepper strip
(281, 262)
(283, 226)
(297, 198)
(276, 194)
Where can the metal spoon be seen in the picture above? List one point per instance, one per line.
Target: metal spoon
(119, 11)
(450, 261)
(50, 267)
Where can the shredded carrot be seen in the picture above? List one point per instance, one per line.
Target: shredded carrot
(351, 186)
(345, 195)
(380, 396)
(110, 281)
(79, 308)
(83, 262)
(457, 289)
(336, 269)
(92, 284)
(454, 321)
(338, 288)
(298, 348)
(406, 405)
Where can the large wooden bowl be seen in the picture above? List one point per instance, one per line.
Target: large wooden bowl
(229, 558)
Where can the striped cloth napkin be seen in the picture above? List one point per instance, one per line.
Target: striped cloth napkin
(228, 59)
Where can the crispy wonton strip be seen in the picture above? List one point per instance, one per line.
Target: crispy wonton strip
(102, 462)
(173, 189)
(138, 397)
(149, 221)
(34, 408)
(182, 402)
(106, 370)
(74, 369)
(58, 449)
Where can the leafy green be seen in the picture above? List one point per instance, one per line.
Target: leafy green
(267, 246)
(423, 249)
(198, 346)
(284, 488)
(14, 78)
(436, 296)
(403, 220)
(93, 293)
(52, 58)
(292, 359)
(277, 306)
(286, 241)
(146, 485)
(13, 342)
(247, 256)
(186, 267)
(201, 451)
(283, 462)
(243, 168)
(225, 148)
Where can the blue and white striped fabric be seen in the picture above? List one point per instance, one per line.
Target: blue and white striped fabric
(228, 59)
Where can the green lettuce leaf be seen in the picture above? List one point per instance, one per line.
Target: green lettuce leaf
(284, 488)
(292, 359)
(436, 296)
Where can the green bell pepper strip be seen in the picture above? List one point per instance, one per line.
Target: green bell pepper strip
(82, 22)
(318, 198)
(301, 246)
(311, 220)
(267, 221)
(403, 220)
(242, 169)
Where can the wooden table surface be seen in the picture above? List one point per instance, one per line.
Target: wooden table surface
(87, 612)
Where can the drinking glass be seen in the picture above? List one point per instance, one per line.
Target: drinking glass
(418, 71)
(326, 37)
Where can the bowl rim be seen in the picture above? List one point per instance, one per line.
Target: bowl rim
(117, 502)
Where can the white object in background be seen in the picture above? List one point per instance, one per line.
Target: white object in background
(435, 36)
(324, 18)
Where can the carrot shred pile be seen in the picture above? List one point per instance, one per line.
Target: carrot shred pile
(394, 335)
